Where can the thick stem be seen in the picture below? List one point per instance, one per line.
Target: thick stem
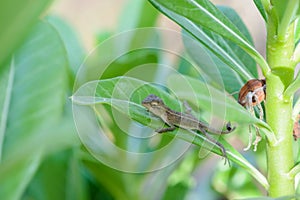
(280, 156)
(279, 112)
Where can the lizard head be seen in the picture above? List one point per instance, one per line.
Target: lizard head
(154, 104)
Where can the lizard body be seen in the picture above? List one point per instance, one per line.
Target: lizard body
(173, 118)
(177, 119)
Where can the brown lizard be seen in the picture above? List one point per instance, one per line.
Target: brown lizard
(177, 119)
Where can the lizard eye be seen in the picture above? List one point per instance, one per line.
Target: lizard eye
(154, 103)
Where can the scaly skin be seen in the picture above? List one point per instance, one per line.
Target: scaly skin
(182, 120)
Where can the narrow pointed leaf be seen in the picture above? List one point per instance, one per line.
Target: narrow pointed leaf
(130, 104)
(292, 88)
(32, 74)
(38, 95)
(225, 63)
(6, 84)
(70, 39)
(261, 9)
(16, 20)
(285, 13)
(204, 14)
(15, 176)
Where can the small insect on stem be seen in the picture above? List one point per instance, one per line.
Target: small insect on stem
(250, 95)
(187, 121)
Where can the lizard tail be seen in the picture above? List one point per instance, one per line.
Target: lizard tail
(222, 148)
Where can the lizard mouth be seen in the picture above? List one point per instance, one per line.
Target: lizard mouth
(146, 105)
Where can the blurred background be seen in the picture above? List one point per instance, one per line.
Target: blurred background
(90, 17)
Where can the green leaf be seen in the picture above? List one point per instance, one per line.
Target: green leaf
(137, 14)
(106, 90)
(225, 56)
(128, 49)
(241, 56)
(49, 181)
(131, 48)
(6, 84)
(103, 35)
(125, 94)
(215, 102)
(213, 70)
(76, 186)
(58, 177)
(123, 52)
(217, 46)
(234, 182)
(292, 88)
(261, 9)
(111, 179)
(204, 14)
(285, 12)
(39, 89)
(131, 186)
(17, 19)
(16, 175)
(69, 37)
(115, 92)
(270, 198)
(36, 107)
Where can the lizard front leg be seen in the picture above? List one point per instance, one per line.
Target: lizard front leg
(167, 129)
(163, 130)
(166, 119)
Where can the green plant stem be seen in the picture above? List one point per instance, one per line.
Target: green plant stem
(279, 111)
